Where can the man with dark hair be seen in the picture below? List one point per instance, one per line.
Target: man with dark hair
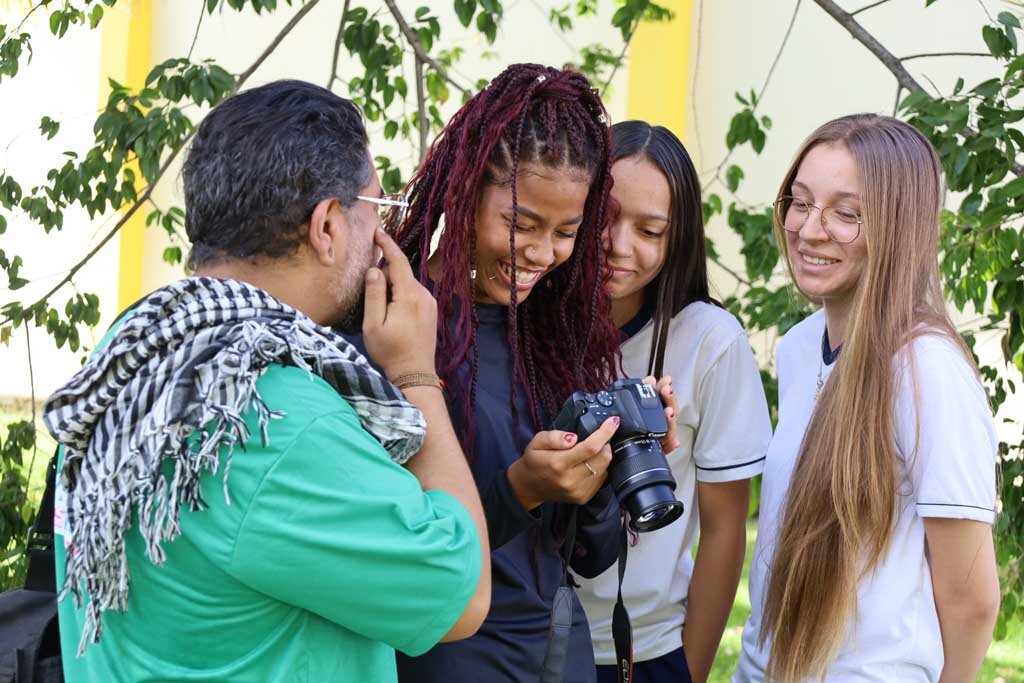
(322, 515)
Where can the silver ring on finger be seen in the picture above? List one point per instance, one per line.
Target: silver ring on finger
(593, 472)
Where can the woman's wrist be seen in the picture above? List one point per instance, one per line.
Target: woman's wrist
(520, 486)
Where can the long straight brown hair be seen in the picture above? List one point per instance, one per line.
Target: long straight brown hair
(841, 504)
(683, 278)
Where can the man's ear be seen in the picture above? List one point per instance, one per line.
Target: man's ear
(326, 225)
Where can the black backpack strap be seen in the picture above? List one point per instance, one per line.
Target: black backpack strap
(42, 571)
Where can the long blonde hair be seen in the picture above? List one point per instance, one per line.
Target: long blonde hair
(841, 507)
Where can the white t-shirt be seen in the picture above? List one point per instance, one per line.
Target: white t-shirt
(895, 637)
(724, 430)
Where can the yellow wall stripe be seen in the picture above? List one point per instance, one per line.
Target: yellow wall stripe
(659, 69)
(125, 57)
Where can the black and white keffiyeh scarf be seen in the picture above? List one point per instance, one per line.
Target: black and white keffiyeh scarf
(172, 385)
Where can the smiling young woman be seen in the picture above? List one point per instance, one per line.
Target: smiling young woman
(678, 605)
(520, 177)
(874, 557)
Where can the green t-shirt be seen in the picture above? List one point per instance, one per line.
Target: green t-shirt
(328, 558)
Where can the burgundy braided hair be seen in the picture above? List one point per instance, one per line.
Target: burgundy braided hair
(529, 114)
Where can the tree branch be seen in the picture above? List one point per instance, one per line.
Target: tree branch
(421, 110)
(693, 84)
(417, 47)
(945, 54)
(144, 197)
(195, 36)
(867, 7)
(730, 271)
(622, 54)
(891, 62)
(337, 45)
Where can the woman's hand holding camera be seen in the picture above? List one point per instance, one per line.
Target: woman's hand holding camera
(556, 466)
(668, 396)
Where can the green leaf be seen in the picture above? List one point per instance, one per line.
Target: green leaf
(464, 10)
(95, 16)
(914, 100)
(1012, 189)
(988, 88)
(997, 43)
(48, 127)
(172, 255)
(733, 176)
(486, 25)
(1009, 20)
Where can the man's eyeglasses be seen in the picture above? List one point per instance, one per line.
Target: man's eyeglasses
(391, 208)
(841, 224)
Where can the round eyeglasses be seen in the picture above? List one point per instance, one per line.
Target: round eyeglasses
(841, 223)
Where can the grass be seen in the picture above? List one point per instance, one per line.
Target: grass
(1004, 663)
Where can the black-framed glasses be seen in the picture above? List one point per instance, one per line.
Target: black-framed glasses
(391, 209)
(841, 223)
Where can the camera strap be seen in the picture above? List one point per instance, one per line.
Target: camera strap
(622, 632)
(561, 612)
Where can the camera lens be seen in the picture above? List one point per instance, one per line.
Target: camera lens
(643, 483)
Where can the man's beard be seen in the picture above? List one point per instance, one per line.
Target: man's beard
(351, 321)
(349, 291)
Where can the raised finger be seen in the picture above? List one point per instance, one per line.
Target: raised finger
(398, 269)
(592, 445)
(376, 301)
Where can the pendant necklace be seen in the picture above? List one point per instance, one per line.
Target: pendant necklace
(832, 356)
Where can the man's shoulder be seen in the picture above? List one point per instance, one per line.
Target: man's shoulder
(301, 394)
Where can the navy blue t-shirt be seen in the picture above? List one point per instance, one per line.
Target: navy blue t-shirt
(525, 562)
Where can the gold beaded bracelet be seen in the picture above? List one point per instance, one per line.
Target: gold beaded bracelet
(417, 379)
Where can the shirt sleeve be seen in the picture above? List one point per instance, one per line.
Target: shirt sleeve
(734, 429)
(506, 517)
(338, 529)
(597, 534)
(945, 431)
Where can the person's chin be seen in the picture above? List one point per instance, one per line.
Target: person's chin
(351, 321)
(502, 297)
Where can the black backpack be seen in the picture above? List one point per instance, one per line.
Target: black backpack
(29, 640)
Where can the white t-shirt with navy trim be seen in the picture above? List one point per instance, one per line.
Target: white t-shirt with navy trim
(724, 430)
(948, 471)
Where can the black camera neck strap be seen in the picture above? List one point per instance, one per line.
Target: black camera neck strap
(561, 612)
(622, 632)
(41, 574)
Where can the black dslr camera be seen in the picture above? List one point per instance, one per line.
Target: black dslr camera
(639, 473)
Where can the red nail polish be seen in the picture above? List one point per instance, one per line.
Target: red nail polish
(616, 420)
(569, 438)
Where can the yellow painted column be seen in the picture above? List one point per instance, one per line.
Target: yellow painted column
(125, 58)
(659, 69)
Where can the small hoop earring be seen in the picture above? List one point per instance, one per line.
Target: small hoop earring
(472, 273)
